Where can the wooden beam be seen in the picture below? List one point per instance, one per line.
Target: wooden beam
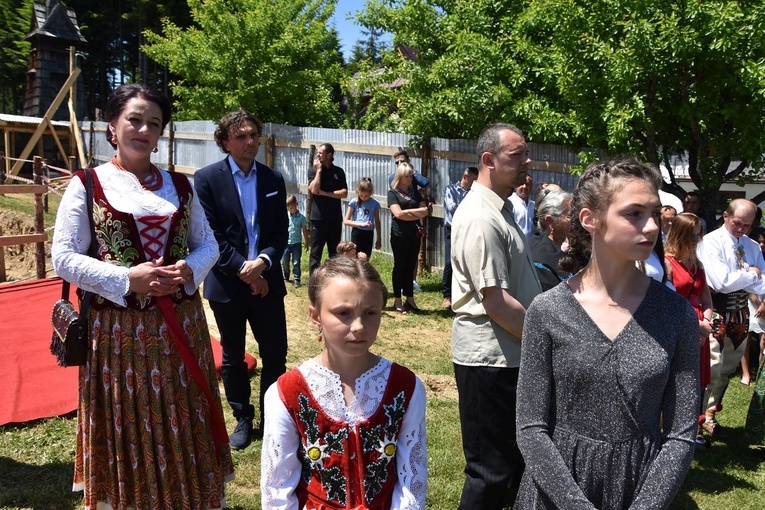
(7, 141)
(48, 115)
(77, 137)
(2, 259)
(7, 189)
(74, 126)
(23, 239)
(61, 150)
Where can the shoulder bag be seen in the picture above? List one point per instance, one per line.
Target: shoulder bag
(70, 328)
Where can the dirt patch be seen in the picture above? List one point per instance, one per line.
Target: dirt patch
(20, 259)
(441, 386)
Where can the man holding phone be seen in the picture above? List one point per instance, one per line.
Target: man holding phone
(327, 184)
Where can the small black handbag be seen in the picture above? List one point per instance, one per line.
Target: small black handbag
(70, 329)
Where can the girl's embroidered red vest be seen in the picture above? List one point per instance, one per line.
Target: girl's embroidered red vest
(343, 466)
(119, 239)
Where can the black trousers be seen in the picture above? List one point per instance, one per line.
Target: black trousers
(364, 240)
(405, 251)
(323, 232)
(446, 281)
(268, 323)
(493, 461)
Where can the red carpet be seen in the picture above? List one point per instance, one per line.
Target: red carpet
(32, 385)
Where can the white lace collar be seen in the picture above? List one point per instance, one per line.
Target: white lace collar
(327, 390)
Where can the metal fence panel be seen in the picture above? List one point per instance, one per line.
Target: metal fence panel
(195, 147)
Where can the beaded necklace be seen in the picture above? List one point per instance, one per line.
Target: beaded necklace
(152, 182)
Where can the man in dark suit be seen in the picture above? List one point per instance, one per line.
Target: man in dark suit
(245, 203)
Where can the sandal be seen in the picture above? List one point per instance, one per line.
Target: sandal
(400, 308)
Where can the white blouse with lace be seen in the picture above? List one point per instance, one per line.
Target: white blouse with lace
(71, 238)
(280, 466)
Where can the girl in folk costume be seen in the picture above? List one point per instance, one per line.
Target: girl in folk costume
(347, 428)
(150, 430)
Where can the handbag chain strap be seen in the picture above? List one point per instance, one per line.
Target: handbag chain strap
(92, 250)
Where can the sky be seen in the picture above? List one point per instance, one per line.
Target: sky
(348, 32)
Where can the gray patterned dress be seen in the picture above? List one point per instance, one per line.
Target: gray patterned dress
(589, 408)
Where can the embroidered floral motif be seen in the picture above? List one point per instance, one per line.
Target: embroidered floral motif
(308, 416)
(143, 300)
(334, 483)
(377, 472)
(115, 236)
(740, 261)
(179, 241)
(318, 448)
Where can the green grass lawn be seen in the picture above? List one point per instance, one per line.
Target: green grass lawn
(36, 459)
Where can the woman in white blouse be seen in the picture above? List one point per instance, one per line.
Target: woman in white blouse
(150, 432)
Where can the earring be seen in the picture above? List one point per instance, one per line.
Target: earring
(114, 139)
(155, 149)
(318, 338)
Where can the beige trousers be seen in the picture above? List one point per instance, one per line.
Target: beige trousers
(724, 363)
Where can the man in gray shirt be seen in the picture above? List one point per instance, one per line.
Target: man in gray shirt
(493, 283)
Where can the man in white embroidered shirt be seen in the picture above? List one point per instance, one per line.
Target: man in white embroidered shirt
(734, 266)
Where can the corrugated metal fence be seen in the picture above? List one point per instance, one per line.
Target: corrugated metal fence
(359, 153)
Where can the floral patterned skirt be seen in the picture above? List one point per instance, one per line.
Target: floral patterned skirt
(144, 435)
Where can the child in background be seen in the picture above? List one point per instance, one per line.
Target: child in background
(348, 249)
(347, 428)
(297, 224)
(363, 215)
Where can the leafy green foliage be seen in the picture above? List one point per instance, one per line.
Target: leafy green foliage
(368, 50)
(278, 59)
(15, 17)
(657, 79)
(461, 78)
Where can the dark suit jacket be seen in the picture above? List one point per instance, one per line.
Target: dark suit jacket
(220, 200)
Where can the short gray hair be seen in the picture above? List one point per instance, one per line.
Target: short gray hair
(552, 202)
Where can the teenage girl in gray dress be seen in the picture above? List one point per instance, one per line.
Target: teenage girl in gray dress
(608, 385)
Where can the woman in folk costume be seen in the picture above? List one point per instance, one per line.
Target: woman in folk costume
(347, 428)
(150, 432)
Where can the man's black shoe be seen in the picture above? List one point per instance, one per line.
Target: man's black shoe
(242, 435)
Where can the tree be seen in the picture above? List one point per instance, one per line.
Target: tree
(462, 77)
(15, 18)
(662, 79)
(278, 59)
(367, 51)
(114, 34)
(658, 79)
